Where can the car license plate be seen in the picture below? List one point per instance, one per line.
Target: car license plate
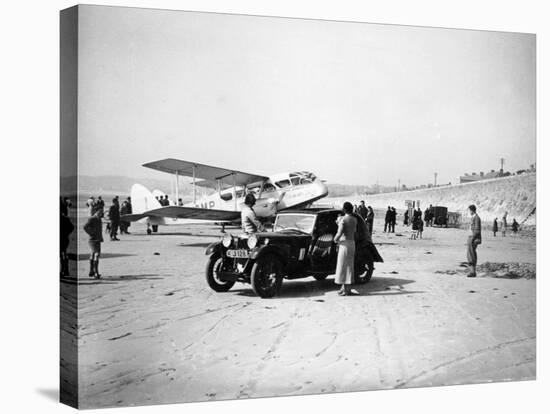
(239, 254)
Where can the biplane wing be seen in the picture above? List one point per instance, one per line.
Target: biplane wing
(207, 173)
(179, 212)
(212, 185)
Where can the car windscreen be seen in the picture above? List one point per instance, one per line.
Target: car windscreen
(302, 222)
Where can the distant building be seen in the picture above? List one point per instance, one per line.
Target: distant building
(469, 178)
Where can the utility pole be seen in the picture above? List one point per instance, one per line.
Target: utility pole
(399, 184)
(502, 165)
(435, 179)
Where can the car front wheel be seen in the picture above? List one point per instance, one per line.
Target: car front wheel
(267, 276)
(213, 266)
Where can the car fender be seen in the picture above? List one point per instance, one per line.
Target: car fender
(263, 250)
(213, 248)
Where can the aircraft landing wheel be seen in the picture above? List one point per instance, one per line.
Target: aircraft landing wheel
(149, 231)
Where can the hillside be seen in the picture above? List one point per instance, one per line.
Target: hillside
(515, 194)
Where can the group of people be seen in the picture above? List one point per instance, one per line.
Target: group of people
(390, 220)
(504, 225)
(116, 210)
(366, 213)
(429, 215)
(417, 224)
(164, 201)
(94, 227)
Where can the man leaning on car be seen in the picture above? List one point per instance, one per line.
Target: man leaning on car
(249, 220)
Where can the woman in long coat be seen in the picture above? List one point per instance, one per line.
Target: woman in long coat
(345, 237)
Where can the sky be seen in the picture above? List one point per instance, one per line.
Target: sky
(355, 103)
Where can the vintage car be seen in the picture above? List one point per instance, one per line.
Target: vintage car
(300, 245)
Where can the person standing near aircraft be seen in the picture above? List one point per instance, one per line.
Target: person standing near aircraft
(100, 203)
(114, 217)
(93, 228)
(495, 227)
(473, 240)
(249, 220)
(124, 224)
(345, 237)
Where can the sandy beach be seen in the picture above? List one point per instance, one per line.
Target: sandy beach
(152, 331)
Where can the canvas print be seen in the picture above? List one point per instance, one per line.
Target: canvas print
(262, 206)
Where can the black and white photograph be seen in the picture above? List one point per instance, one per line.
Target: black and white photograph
(274, 206)
(260, 206)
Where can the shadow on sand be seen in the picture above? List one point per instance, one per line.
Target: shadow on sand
(306, 288)
(86, 256)
(109, 279)
(212, 236)
(204, 245)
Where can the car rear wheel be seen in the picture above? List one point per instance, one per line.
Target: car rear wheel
(213, 266)
(363, 272)
(266, 277)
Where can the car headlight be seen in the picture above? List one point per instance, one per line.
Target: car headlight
(227, 240)
(252, 241)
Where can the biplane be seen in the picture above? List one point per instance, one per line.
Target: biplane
(228, 189)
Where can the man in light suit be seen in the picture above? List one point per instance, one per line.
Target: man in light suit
(474, 240)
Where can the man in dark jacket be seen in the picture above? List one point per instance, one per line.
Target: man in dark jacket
(123, 223)
(393, 220)
(370, 219)
(114, 217)
(100, 204)
(362, 210)
(93, 228)
(387, 219)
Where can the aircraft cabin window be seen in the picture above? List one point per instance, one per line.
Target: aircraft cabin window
(283, 183)
(295, 180)
(226, 196)
(304, 180)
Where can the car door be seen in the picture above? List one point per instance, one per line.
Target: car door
(323, 248)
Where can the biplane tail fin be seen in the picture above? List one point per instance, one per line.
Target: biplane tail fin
(143, 200)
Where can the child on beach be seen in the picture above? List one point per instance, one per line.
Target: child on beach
(93, 229)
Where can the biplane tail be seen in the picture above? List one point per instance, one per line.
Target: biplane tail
(142, 202)
(142, 199)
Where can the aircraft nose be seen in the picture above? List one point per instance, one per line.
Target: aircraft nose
(322, 188)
